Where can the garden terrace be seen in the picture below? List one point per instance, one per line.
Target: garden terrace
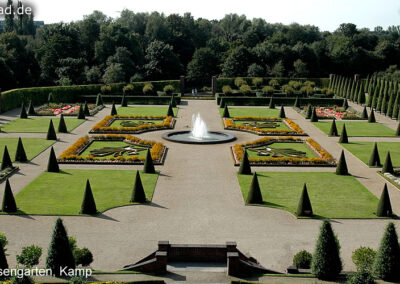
(392, 178)
(293, 152)
(251, 101)
(251, 112)
(139, 100)
(32, 146)
(38, 124)
(66, 109)
(145, 110)
(330, 112)
(357, 128)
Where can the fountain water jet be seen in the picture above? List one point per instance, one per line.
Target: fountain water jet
(199, 127)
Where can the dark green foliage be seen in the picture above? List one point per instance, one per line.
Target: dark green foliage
(371, 118)
(81, 112)
(314, 116)
(302, 259)
(387, 260)
(113, 109)
(361, 96)
(31, 109)
(384, 206)
(304, 207)
(59, 253)
(86, 110)
(51, 133)
(3, 259)
(398, 130)
(8, 205)
(333, 130)
(374, 160)
(23, 113)
(254, 195)
(148, 164)
(389, 111)
(326, 263)
(343, 136)
(226, 112)
(361, 277)
(341, 168)
(173, 101)
(83, 256)
(124, 102)
(29, 256)
(387, 165)
(88, 204)
(138, 194)
(363, 258)
(6, 161)
(52, 164)
(309, 112)
(282, 113)
(62, 126)
(50, 98)
(271, 103)
(170, 111)
(222, 103)
(396, 104)
(297, 103)
(99, 100)
(245, 168)
(20, 155)
(345, 104)
(364, 114)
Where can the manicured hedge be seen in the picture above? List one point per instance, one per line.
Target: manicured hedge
(143, 100)
(251, 101)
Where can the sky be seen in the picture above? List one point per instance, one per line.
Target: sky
(326, 14)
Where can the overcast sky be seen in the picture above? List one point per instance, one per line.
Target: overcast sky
(326, 14)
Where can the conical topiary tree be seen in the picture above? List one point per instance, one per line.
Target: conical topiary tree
(341, 168)
(387, 259)
(52, 164)
(81, 112)
(304, 207)
(314, 116)
(20, 154)
(99, 100)
(124, 103)
(343, 136)
(326, 263)
(138, 194)
(31, 109)
(222, 103)
(59, 254)
(384, 206)
(245, 168)
(113, 109)
(23, 113)
(364, 114)
(371, 118)
(387, 165)
(297, 103)
(271, 103)
(148, 164)
(50, 98)
(309, 112)
(398, 130)
(88, 204)
(375, 160)
(170, 111)
(226, 112)
(86, 110)
(282, 113)
(254, 195)
(345, 104)
(333, 130)
(3, 259)
(8, 205)
(173, 101)
(51, 133)
(6, 161)
(62, 126)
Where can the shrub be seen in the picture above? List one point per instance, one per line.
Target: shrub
(83, 256)
(296, 85)
(268, 90)
(375, 160)
(148, 89)
(23, 113)
(3, 241)
(81, 112)
(105, 89)
(343, 135)
(257, 82)
(239, 81)
(227, 90)
(245, 168)
(62, 127)
(387, 165)
(245, 89)
(274, 83)
(304, 207)
(302, 259)
(168, 89)
(307, 90)
(128, 89)
(52, 164)
(138, 194)
(113, 109)
(20, 155)
(226, 114)
(88, 204)
(361, 277)
(371, 118)
(254, 195)
(31, 109)
(309, 83)
(288, 90)
(341, 168)
(3, 259)
(99, 100)
(384, 206)
(8, 205)
(363, 258)
(29, 256)
(148, 167)
(333, 130)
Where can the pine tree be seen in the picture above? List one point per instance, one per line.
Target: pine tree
(387, 165)
(309, 112)
(52, 164)
(62, 127)
(398, 130)
(124, 103)
(374, 160)
(271, 103)
(59, 254)
(364, 114)
(384, 208)
(361, 96)
(113, 109)
(6, 161)
(343, 135)
(304, 207)
(3, 259)
(9, 25)
(314, 116)
(99, 100)
(254, 195)
(88, 206)
(81, 112)
(23, 113)
(8, 205)
(148, 164)
(326, 263)
(387, 259)
(396, 103)
(170, 111)
(226, 112)
(341, 168)
(371, 118)
(245, 168)
(297, 103)
(282, 113)
(20, 155)
(389, 110)
(31, 109)
(345, 104)
(51, 133)
(333, 131)
(138, 194)
(86, 110)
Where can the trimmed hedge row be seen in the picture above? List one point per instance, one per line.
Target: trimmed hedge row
(251, 101)
(141, 100)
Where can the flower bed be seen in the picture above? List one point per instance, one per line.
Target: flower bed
(104, 126)
(323, 159)
(7, 172)
(294, 129)
(333, 112)
(65, 109)
(394, 179)
(74, 153)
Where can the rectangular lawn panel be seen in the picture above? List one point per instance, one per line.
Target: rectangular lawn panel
(145, 110)
(251, 111)
(62, 193)
(38, 124)
(363, 150)
(295, 146)
(357, 128)
(117, 122)
(102, 144)
(281, 125)
(32, 146)
(331, 196)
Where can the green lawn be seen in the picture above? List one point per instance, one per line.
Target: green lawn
(101, 144)
(251, 111)
(62, 193)
(259, 124)
(331, 196)
(295, 146)
(32, 146)
(38, 124)
(117, 122)
(363, 150)
(145, 110)
(357, 128)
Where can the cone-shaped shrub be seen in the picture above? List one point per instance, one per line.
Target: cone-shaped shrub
(387, 259)
(86, 110)
(371, 118)
(333, 130)
(3, 259)
(23, 113)
(81, 112)
(343, 136)
(297, 103)
(88, 204)
(99, 100)
(341, 168)
(326, 263)
(384, 206)
(245, 168)
(31, 109)
(226, 112)
(124, 102)
(148, 164)
(364, 114)
(6, 161)
(20, 154)
(314, 116)
(62, 127)
(309, 112)
(304, 207)
(52, 164)
(398, 130)
(345, 104)
(282, 113)
(138, 194)
(387, 165)
(8, 205)
(375, 160)
(170, 111)
(59, 254)
(173, 101)
(254, 195)
(50, 98)
(271, 103)
(113, 109)
(222, 103)
(51, 133)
